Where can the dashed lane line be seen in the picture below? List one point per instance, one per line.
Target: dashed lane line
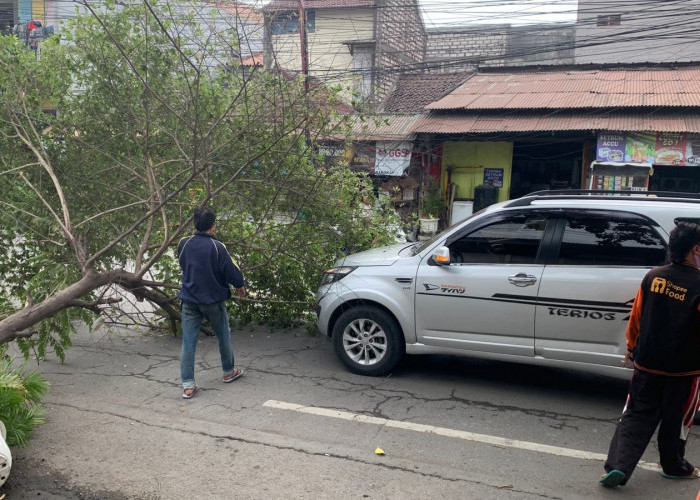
(450, 433)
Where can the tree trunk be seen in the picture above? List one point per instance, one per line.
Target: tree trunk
(16, 324)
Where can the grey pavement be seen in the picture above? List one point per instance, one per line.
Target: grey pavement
(118, 428)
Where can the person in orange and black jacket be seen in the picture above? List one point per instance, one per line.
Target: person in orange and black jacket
(663, 341)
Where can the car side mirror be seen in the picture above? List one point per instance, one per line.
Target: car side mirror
(440, 257)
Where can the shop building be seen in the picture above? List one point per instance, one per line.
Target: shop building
(520, 130)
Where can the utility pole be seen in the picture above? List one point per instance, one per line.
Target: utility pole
(303, 45)
(304, 66)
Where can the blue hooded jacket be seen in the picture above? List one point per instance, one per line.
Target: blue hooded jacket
(207, 270)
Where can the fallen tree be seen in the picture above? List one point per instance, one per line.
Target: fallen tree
(152, 116)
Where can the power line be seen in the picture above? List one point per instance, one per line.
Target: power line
(331, 64)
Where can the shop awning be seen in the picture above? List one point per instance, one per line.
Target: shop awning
(601, 120)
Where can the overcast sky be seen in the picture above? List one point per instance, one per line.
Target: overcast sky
(460, 12)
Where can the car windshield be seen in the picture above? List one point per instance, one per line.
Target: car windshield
(422, 245)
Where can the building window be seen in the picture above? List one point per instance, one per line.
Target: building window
(362, 64)
(288, 22)
(610, 20)
(7, 19)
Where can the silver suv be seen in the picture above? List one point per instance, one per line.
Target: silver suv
(546, 279)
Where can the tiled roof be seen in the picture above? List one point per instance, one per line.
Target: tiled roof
(565, 120)
(596, 88)
(241, 10)
(413, 92)
(317, 4)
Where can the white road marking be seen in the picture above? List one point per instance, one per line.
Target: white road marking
(451, 433)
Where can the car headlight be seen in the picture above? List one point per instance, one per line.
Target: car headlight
(336, 274)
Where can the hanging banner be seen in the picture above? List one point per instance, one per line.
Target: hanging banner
(640, 147)
(670, 149)
(361, 156)
(658, 148)
(692, 150)
(393, 158)
(611, 147)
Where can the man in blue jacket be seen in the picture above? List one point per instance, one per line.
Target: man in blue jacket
(207, 272)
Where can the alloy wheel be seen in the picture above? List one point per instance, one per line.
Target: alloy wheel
(364, 341)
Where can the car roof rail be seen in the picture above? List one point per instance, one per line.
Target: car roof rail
(626, 192)
(600, 194)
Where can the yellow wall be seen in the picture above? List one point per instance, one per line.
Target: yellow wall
(469, 160)
(38, 11)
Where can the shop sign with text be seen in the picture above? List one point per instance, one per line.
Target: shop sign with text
(493, 177)
(611, 147)
(393, 158)
(659, 148)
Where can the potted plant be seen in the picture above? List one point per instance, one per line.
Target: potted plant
(433, 203)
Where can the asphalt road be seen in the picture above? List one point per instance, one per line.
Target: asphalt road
(297, 425)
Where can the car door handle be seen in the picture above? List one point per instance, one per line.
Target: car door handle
(522, 279)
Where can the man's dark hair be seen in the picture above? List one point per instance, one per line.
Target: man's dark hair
(682, 239)
(204, 218)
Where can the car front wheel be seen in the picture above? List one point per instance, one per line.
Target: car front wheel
(368, 340)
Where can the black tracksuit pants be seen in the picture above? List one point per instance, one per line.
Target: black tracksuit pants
(652, 399)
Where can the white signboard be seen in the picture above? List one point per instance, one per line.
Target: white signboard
(392, 158)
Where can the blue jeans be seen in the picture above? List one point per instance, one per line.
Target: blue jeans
(192, 316)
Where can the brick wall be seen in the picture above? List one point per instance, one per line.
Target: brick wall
(463, 48)
(450, 50)
(545, 44)
(400, 45)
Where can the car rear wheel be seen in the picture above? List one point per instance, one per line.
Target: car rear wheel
(368, 340)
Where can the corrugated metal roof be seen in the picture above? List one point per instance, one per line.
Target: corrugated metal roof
(598, 88)
(385, 127)
(317, 4)
(482, 123)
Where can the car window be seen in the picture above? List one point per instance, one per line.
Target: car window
(609, 240)
(513, 240)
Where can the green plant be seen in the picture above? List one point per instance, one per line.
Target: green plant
(21, 394)
(433, 200)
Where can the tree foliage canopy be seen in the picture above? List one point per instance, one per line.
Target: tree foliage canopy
(153, 117)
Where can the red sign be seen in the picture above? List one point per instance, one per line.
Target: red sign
(670, 149)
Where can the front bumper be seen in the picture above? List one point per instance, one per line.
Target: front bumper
(326, 302)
